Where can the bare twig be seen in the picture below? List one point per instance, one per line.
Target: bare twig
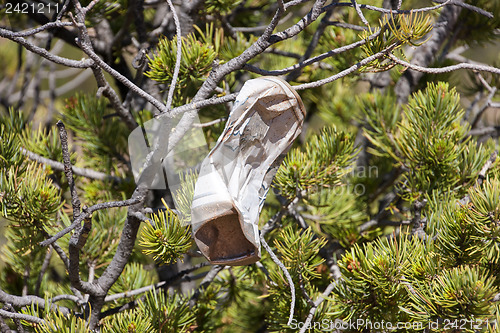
(75, 201)
(347, 25)
(347, 71)
(25, 33)
(281, 5)
(310, 60)
(484, 170)
(469, 7)
(206, 282)
(20, 301)
(317, 303)
(87, 213)
(272, 223)
(178, 56)
(312, 45)
(484, 131)
(203, 103)
(43, 269)
(446, 69)
(15, 315)
(479, 114)
(86, 63)
(158, 285)
(304, 291)
(4, 328)
(285, 272)
(360, 13)
(390, 11)
(80, 236)
(99, 65)
(16, 320)
(88, 173)
(210, 123)
(60, 252)
(72, 298)
(283, 53)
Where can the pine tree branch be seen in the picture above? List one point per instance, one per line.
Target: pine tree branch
(203, 103)
(87, 213)
(86, 63)
(312, 45)
(219, 72)
(72, 298)
(68, 169)
(20, 301)
(446, 69)
(347, 71)
(122, 254)
(79, 237)
(317, 303)
(178, 56)
(168, 282)
(469, 7)
(426, 53)
(43, 270)
(50, 25)
(99, 65)
(285, 272)
(84, 172)
(15, 315)
(360, 13)
(207, 280)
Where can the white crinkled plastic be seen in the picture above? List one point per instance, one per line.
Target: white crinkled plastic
(234, 178)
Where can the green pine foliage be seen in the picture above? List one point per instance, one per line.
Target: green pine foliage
(430, 141)
(29, 198)
(166, 239)
(167, 313)
(198, 50)
(99, 132)
(298, 250)
(220, 7)
(374, 279)
(322, 164)
(337, 214)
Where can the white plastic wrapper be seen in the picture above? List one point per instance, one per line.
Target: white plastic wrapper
(233, 178)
